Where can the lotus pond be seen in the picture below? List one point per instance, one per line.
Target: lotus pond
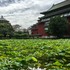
(21, 54)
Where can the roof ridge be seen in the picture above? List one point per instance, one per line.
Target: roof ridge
(58, 5)
(60, 2)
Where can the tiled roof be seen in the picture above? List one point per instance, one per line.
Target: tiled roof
(2, 18)
(64, 3)
(59, 5)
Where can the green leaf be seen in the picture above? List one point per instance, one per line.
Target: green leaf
(57, 63)
(31, 59)
(34, 59)
(68, 64)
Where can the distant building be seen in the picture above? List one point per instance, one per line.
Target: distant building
(38, 29)
(62, 9)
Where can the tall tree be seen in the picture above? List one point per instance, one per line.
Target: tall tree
(57, 26)
(5, 27)
(16, 27)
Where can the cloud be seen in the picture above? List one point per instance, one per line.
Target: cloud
(25, 12)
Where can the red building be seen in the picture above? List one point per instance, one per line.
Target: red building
(38, 29)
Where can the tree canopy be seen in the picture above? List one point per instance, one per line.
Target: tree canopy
(5, 28)
(57, 26)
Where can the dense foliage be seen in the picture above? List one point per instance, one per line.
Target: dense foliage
(58, 26)
(20, 35)
(6, 29)
(22, 54)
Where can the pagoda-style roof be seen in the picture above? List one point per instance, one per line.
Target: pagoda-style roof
(64, 3)
(2, 19)
(34, 26)
(57, 6)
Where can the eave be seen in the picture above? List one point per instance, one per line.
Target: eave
(57, 6)
(60, 11)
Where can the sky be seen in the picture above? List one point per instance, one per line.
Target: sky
(24, 12)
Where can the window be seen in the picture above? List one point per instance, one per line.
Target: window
(46, 29)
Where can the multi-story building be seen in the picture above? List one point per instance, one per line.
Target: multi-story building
(62, 9)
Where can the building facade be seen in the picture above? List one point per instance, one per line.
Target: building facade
(61, 9)
(38, 29)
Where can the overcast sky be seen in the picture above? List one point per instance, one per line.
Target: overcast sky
(24, 12)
